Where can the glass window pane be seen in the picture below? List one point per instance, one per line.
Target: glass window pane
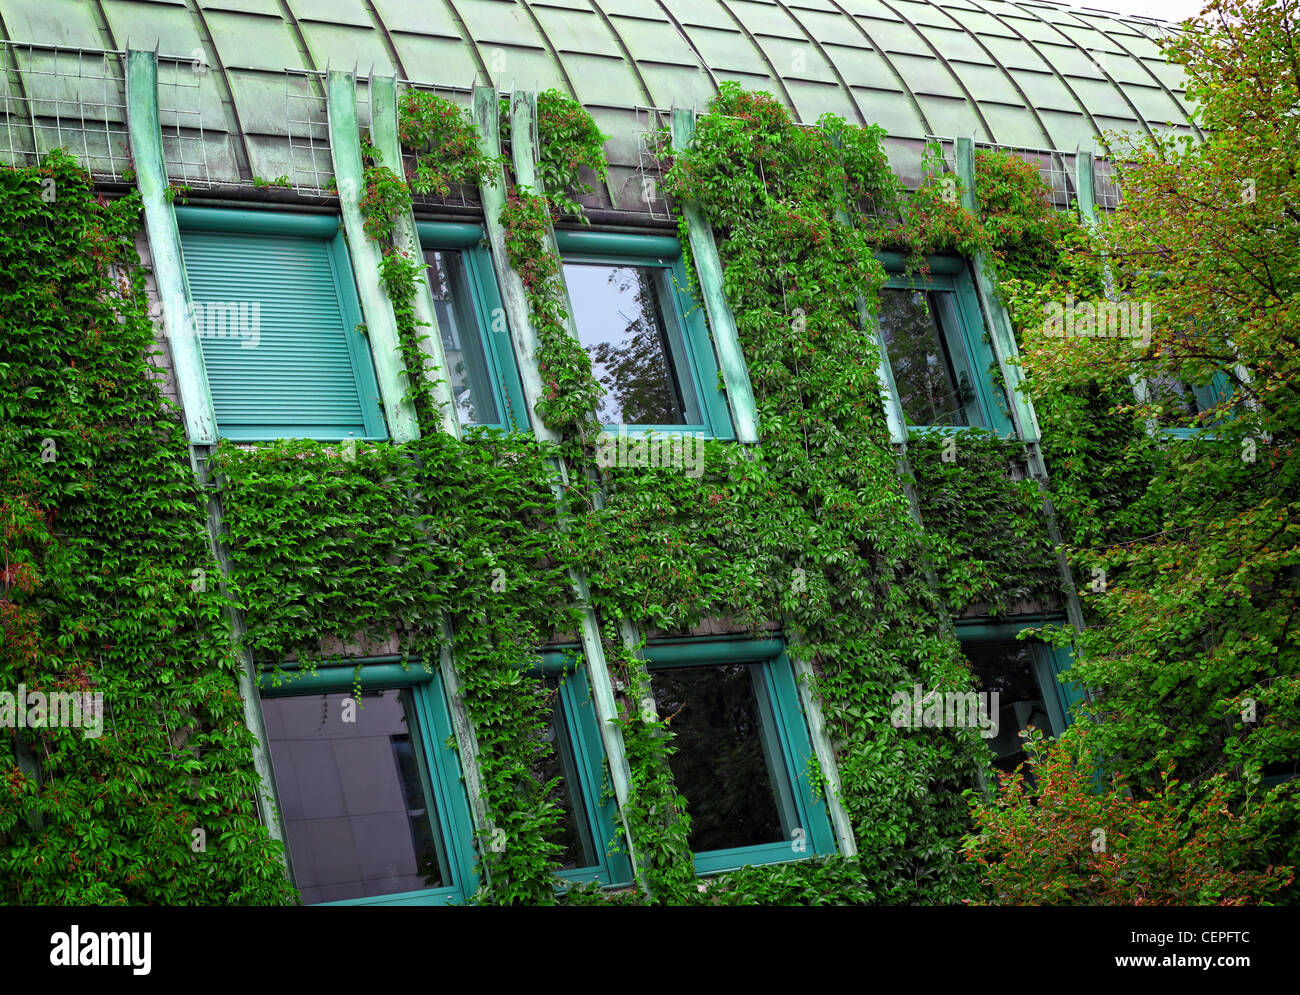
(575, 833)
(721, 766)
(462, 339)
(1180, 400)
(628, 327)
(934, 384)
(357, 802)
(1008, 668)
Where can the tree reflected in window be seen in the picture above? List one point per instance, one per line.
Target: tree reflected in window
(922, 338)
(634, 342)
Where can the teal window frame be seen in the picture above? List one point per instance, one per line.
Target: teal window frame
(454, 822)
(326, 228)
(629, 249)
(786, 731)
(1218, 390)
(503, 366)
(1060, 697)
(591, 799)
(952, 274)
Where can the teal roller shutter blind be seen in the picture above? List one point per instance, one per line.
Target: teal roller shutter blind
(276, 322)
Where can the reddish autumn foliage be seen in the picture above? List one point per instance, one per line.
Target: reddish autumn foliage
(1057, 838)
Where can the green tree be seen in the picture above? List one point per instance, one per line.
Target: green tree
(1193, 643)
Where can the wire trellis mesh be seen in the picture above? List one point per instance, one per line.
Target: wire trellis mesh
(1106, 183)
(180, 118)
(460, 195)
(652, 124)
(55, 97)
(306, 114)
(1054, 166)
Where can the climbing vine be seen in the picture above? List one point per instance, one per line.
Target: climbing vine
(108, 586)
(472, 547)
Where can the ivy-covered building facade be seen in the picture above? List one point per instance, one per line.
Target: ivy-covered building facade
(518, 451)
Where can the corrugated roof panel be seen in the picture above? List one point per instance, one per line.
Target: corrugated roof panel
(1069, 130)
(1155, 105)
(523, 68)
(1033, 28)
(765, 18)
(728, 50)
(799, 60)
(53, 22)
(1013, 125)
(170, 30)
(455, 62)
(892, 111)
(1068, 60)
(499, 22)
(952, 118)
(920, 13)
(654, 41)
(926, 74)
(671, 86)
(828, 27)
(571, 31)
(1172, 76)
(620, 125)
(989, 83)
(331, 11)
(750, 82)
(1046, 91)
(628, 8)
(428, 17)
(816, 47)
(812, 100)
(985, 25)
(339, 46)
(1143, 47)
(1015, 54)
(955, 44)
(1120, 125)
(1125, 69)
(604, 81)
(243, 6)
(705, 13)
(892, 35)
(861, 67)
(262, 102)
(249, 42)
(1100, 97)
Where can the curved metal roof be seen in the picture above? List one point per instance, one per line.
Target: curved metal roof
(1018, 73)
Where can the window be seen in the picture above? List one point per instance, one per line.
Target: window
(647, 340)
(481, 366)
(277, 318)
(1183, 402)
(374, 812)
(937, 353)
(1024, 675)
(594, 847)
(742, 752)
